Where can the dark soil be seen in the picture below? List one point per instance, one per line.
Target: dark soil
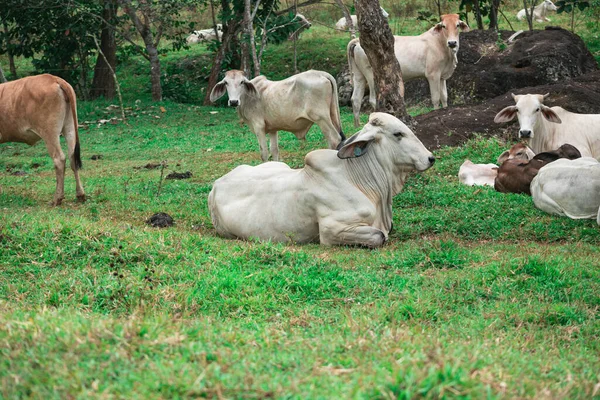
(18, 173)
(96, 157)
(179, 175)
(454, 125)
(160, 220)
(150, 166)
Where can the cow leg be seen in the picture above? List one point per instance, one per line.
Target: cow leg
(444, 93)
(360, 235)
(371, 83)
(70, 138)
(57, 155)
(359, 82)
(274, 146)
(331, 134)
(434, 88)
(262, 144)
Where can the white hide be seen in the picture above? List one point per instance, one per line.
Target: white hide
(339, 198)
(569, 188)
(343, 26)
(477, 174)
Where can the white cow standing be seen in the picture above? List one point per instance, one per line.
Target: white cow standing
(569, 187)
(548, 128)
(339, 198)
(293, 104)
(431, 55)
(539, 12)
(342, 24)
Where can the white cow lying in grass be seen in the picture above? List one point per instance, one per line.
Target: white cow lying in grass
(342, 24)
(339, 198)
(539, 12)
(548, 128)
(568, 187)
(204, 35)
(293, 104)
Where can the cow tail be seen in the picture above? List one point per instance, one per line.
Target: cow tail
(72, 100)
(350, 54)
(334, 107)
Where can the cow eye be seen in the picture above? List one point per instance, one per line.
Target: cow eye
(537, 109)
(398, 134)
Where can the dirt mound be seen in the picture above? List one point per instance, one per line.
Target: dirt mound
(489, 67)
(160, 220)
(179, 175)
(454, 125)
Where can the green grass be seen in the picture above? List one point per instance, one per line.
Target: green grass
(477, 293)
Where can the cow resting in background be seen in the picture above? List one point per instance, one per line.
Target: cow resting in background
(569, 187)
(546, 128)
(292, 105)
(304, 25)
(41, 108)
(431, 55)
(539, 11)
(205, 35)
(340, 197)
(485, 174)
(342, 24)
(515, 176)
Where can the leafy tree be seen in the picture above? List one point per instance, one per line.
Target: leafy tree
(570, 6)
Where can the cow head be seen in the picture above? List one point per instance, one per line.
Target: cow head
(391, 140)
(449, 27)
(528, 109)
(235, 83)
(518, 151)
(303, 21)
(549, 5)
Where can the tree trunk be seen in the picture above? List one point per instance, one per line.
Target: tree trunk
(214, 20)
(229, 32)
(477, 12)
(528, 14)
(495, 6)
(2, 77)
(348, 17)
(11, 58)
(247, 22)
(145, 32)
(103, 83)
(377, 40)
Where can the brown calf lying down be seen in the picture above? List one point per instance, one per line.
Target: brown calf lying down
(515, 176)
(41, 108)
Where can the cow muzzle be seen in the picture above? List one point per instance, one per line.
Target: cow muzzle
(234, 103)
(525, 133)
(431, 160)
(452, 44)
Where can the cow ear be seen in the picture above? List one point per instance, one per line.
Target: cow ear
(218, 91)
(250, 88)
(503, 157)
(547, 156)
(463, 25)
(529, 152)
(507, 114)
(549, 114)
(354, 149)
(438, 27)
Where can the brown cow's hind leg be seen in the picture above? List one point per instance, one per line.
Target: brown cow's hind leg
(57, 155)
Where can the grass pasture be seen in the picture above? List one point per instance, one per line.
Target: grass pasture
(477, 294)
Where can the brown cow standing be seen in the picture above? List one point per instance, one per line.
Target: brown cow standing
(43, 107)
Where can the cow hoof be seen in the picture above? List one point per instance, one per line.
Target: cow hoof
(56, 202)
(81, 198)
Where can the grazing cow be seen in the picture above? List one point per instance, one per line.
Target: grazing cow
(431, 55)
(340, 197)
(515, 176)
(539, 12)
(41, 108)
(546, 128)
(569, 187)
(477, 174)
(343, 26)
(205, 35)
(485, 174)
(292, 105)
(304, 25)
